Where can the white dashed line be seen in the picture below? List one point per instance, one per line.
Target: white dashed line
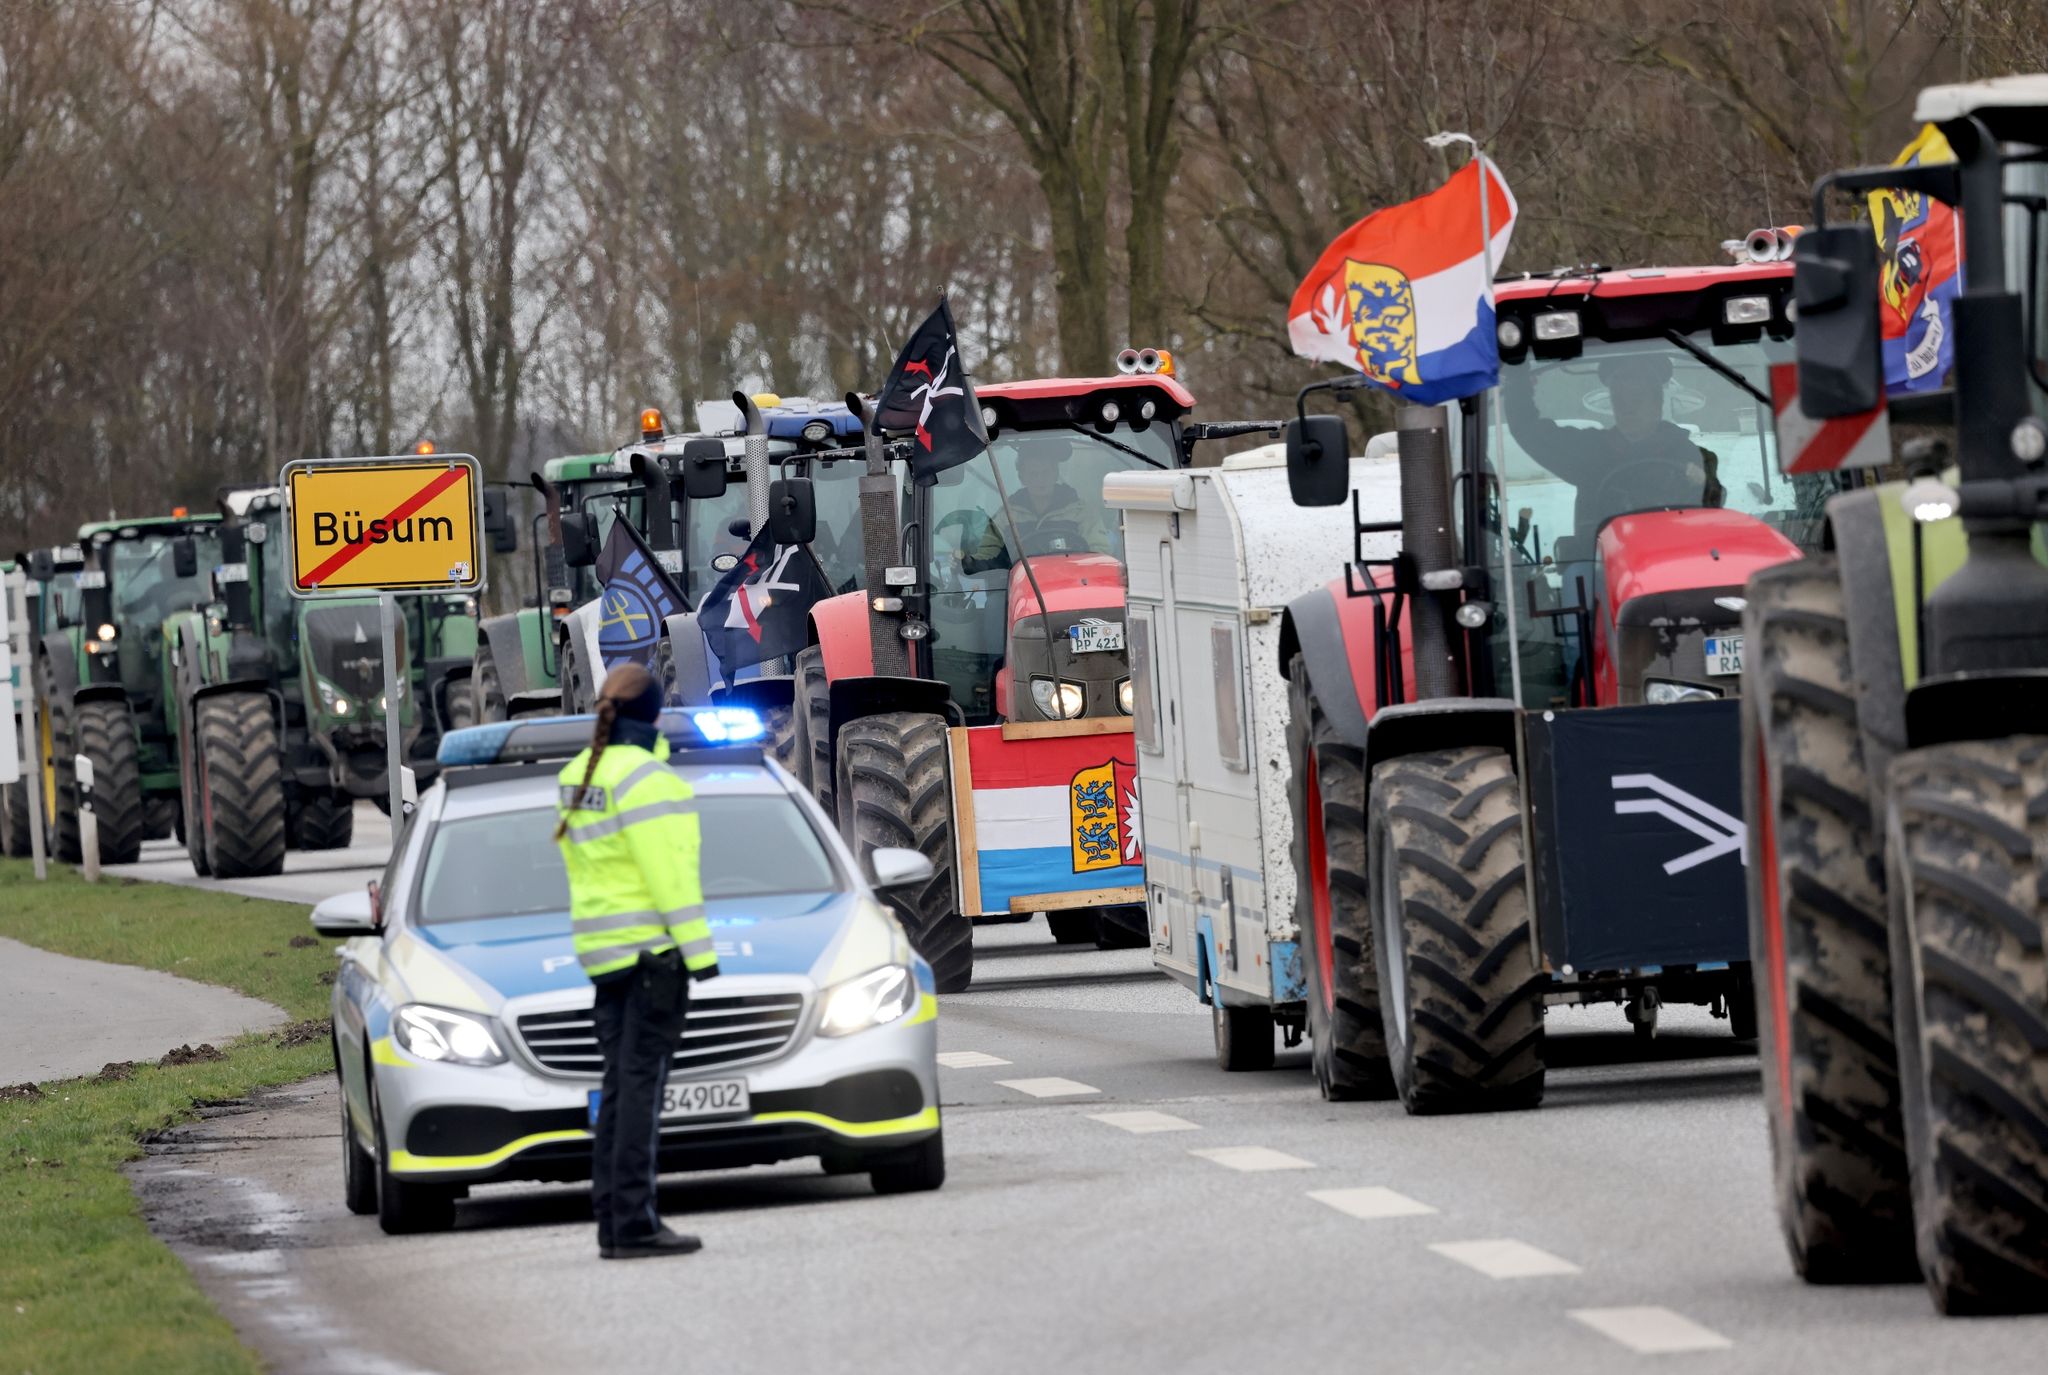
(1048, 1088)
(1505, 1260)
(1251, 1159)
(1651, 1331)
(1142, 1123)
(969, 1059)
(1370, 1202)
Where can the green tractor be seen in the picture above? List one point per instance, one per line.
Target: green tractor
(1895, 712)
(99, 691)
(42, 569)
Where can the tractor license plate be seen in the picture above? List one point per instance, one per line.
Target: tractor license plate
(1724, 655)
(1097, 637)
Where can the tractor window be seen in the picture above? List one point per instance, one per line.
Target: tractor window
(146, 586)
(707, 534)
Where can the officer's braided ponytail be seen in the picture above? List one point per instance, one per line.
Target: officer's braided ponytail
(622, 684)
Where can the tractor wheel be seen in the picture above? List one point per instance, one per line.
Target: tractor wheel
(1326, 796)
(1968, 833)
(1460, 990)
(458, 704)
(579, 693)
(191, 816)
(781, 740)
(1075, 926)
(159, 816)
(104, 732)
(15, 840)
(1123, 927)
(813, 708)
(324, 821)
(1244, 1035)
(240, 778)
(1817, 927)
(486, 692)
(893, 789)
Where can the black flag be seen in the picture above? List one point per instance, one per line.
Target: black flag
(639, 595)
(760, 609)
(928, 393)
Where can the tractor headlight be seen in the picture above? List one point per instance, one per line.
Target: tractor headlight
(1056, 700)
(1663, 692)
(876, 998)
(108, 630)
(439, 1033)
(331, 700)
(1125, 696)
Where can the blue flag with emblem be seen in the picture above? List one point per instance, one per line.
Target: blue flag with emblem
(638, 596)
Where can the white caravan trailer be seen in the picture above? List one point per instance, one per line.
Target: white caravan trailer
(1213, 556)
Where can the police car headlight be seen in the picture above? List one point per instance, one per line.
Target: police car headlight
(876, 998)
(1058, 701)
(437, 1033)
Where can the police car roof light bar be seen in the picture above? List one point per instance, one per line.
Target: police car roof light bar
(557, 739)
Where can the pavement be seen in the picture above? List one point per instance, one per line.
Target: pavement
(62, 1017)
(308, 875)
(1114, 1203)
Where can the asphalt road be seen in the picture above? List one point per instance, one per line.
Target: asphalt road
(1115, 1203)
(308, 875)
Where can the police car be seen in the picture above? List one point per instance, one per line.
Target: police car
(462, 1029)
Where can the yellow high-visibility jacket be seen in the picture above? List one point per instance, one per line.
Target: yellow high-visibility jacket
(632, 854)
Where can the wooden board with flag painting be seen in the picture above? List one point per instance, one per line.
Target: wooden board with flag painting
(1047, 822)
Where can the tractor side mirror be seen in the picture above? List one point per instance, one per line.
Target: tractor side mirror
(498, 522)
(738, 528)
(578, 551)
(703, 469)
(41, 567)
(184, 557)
(1835, 286)
(792, 511)
(1318, 460)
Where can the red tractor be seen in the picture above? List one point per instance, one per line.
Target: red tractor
(974, 701)
(1515, 744)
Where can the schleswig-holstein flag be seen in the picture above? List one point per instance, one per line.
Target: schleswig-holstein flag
(1406, 295)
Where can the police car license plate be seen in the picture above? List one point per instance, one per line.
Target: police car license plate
(1724, 655)
(1096, 637)
(704, 1098)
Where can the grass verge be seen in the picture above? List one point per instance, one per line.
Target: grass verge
(83, 1285)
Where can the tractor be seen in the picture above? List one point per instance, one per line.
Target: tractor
(44, 573)
(100, 693)
(1513, 741)
(1895, 754)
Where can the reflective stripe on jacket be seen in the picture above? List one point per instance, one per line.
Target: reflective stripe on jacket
(632, 855)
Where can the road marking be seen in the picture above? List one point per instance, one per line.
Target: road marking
(1370, 1202)
(1252, 1159)
(1651, 1331)
(1505, 1260)
(969, 1059)
(1142, 1123)
(1048, 1088)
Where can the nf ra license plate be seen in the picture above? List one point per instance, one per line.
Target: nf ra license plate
(1096, 637)
(1724, 655)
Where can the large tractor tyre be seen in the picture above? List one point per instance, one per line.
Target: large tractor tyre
(1817, 930)
(1968, 830)
(458, 704)
(813, 708)
(893, 790)
(780, 740)
(486, 691)
(1326, 796)
(240, 776)
(104, 732)
(159, 816)
(15, 840)
(1461, 992)
(324, 821)
(191, 816)
(1075, 926)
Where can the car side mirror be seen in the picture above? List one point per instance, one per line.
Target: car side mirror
(184, 557)
(704, 469)
(1318, 460)
(498, 521)
(897, 867)
(792, 511)
(1835, 287)
(349, 914)
(577, 548)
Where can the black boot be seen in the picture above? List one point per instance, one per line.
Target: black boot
(662, 1243)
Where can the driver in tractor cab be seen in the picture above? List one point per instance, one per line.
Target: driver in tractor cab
(1051, 517)
(1641, 461)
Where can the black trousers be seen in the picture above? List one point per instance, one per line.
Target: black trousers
(636, 1042)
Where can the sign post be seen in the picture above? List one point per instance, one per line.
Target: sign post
(385, 527)
(17, 653)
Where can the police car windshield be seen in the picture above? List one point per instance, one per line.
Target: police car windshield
(505, 864)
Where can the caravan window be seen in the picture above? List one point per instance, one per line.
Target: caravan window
(1229, 685)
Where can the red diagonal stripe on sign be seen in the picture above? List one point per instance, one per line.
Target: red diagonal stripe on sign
(340, 557)
(1826, 450)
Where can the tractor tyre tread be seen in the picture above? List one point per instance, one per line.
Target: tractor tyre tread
(813, 710)
(241, 768)
(894, 789)
(106, 735)
(324, 821)
(15, 840)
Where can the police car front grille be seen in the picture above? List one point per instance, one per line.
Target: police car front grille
(721, 1031)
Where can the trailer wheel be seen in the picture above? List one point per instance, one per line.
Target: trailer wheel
(1968, 831)
(813, 710)
(1460, 990)
(104, 732)
(323, 821)
(1244, 1035)
(15, 840)
(1821, 965)
(1326, 796)
(1126, 926)
(486, 691)
(893, 790)
(240, 776)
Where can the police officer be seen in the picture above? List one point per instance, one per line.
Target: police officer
(629, 839)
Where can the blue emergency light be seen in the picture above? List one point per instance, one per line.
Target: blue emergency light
(556, 739)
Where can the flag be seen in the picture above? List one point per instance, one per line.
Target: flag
(928, 393)
(1406, 294)
(638, 596)
(1920, 273)
(760, 609)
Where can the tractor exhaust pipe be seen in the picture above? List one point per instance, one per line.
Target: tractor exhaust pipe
(1427, 540)
(754, 461)
(555, 564)
(880, 542)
